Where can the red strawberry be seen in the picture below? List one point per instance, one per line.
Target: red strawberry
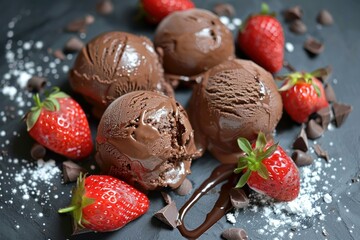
(157, 10)
(302, 95)
(262, 39)
(104, 203)
(268, 169)
(60, 124)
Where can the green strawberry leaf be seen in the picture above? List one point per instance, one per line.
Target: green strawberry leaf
(322, 72)
(244, 145)
(243, 179)
(317, 89)
(260, 142)
(270, 151)
(243, 162)
(51, 104)
(32, 117)
(263, 172)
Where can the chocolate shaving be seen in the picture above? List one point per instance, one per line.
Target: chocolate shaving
(301, 141)
(298, 26)
(105, 7)
(59, 54)
(168, 215)
(238, 198)
(74, 44)
(185, 188)
(293, 13)
(79, 25)
(325, 18)
(330, 93)
(301, 158)
(324, 116)
(166, 197)
(314, 130)
(321, 152)
(224, 9)
(341, 112)
(313, 46)
(37, 151)
(71, 171)
(36, 84)
(234, 234)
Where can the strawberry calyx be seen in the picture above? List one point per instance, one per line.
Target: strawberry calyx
(50, 103)
(297, 78)
(252, 161)
(78, 202)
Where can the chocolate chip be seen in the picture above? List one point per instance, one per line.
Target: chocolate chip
(238, 198)
(79, 25)
(314, 130)
(36, 84)
(74, 44)
(168, 215)
(185, 187)
(293, 13)
(324, 116)
(313, 46)
(301, 141)
(71, 171)
(301, 158)
(166, 197)
(341, 112)
(298, 26)
(234, 234)
(330, 93)
(59, 54)
(105, 7)
(321, 152)
(325, 18)
(224, 9)
(37, 151)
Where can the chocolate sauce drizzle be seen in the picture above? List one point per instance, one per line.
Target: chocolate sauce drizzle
(222, 205)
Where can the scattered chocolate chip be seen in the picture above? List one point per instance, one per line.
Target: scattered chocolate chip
(321, 152)
(36, 84)
(301, 158)
(341, 112)
(238, 198)
(59, 54)
(185, 188)
(293, 13)
(224, 9)
(298, 26)
(71, 171)
(301, 141)
(166, 197)
(324, 116)
(234, 234)
(314, 130)
(105, 7)
(330, 93)
(79, 25)
(168, 215)
(313, 46)
(325, 18)
(37, 151)
(74, 44)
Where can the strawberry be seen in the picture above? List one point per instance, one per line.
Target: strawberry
(157, 10)
(60, 124)
(104, 203)
(268, 169)
(302, 94)
(262, 39)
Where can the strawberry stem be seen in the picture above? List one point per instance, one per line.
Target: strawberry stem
(37, 100)
(67, 209)
(264, 9)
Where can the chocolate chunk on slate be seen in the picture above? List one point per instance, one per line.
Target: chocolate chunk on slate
(185, 188)
(301, 158)
(293, 13)
(314, 130)
(301, 141)
(166, 197)
(79, 25)
(341, 112)
(238, 198)
(74, 44)
(321, 152)
(330, 93)
(36, 84)
(325, 18)
(234, 234)
(59, 54)
(104, 7)
(71, 171)
(168, 215)
(37, 151)
(324, 115)
(313, 46)
(298, 26)
(224, 9)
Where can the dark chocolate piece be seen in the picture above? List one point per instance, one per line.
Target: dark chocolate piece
(71, 171)
(238, 198)
(168, 215)
(325, 18)
(321, 152)
(166, 197)
(185, 187)
(293, 13)
(74, 44)
(234, 234)
(36, 84)
(59, 54)
(314, 130)
(313, 46)
(79, 25)
(224, 9)
(301, 158)
(105, 7)
(324, 116)
(301, 141)
(330, 93)
(323, 74)
(341, 112)
(298, 26)
(37, 151)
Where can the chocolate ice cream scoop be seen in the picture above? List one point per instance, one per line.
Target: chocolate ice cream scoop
(146, 139)
(235, 99)
(113, 64)
(192, 41)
